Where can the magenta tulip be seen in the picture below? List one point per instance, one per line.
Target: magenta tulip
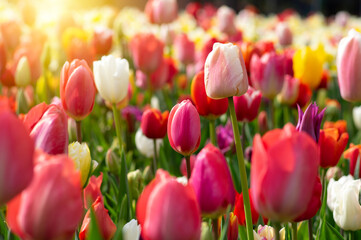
(184, 128)
(212, 182)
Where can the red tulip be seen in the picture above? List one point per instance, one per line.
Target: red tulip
(16, 160)
(54, 191)
(232, 233)
(77, 89)
(105, 224)
(304, 95)
(184, 49)
(247, 105)
(161, 11)
(184, 128)
(314, 204)
(92, 190)
(289, 160)
(353, 154)
(102, 40)
(154, 123)
(166, 209)
(332, 144)
(147, 52)
(212, 182)
(239, 210)
(48, 126)
(206, 106)
(7, 78)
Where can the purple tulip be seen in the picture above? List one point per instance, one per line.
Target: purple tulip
(310, 121)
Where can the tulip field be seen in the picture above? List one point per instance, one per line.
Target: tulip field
(178, 124)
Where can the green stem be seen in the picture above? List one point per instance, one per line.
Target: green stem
(78, 131)
(310, 232)
(323, 180)
(215, 228)
(243, 137)
(271, 114)
(212, 132)
(188, 161)
(277, 228)
(155, 158)
(242, 169)
(294, 231)
(121, 148)
(351, 235)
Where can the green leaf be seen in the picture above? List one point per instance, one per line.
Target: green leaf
(328, 232)
(94, 232)
(302, 233)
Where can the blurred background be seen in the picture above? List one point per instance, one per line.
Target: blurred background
(304, 7)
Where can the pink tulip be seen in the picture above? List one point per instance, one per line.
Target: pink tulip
(226, 20)
(161, 11)
(48, 126)
(247, 105)
(167, 209)
(267, 73)
(348, 66)
(184, 49)
(147, 52)
(16, 160)
(212, 182)
(51, 207)
(284, 34)
(92, 190)
(77, 89)
(106, 226)
(225, 73)
(184, 128)
(183, 166)
(290, 90)
(289, 160)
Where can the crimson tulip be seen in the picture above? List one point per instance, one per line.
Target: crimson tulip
(54, 191)
(247, 105)
(154, 123)
(332, 144)
(239, 210)
(289, 160)
(206, 106)
(16, 160)
(167, 209)
(77, 89)
(212, 182)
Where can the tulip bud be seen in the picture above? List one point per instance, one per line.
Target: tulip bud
(206, 232)
(135, 183)
(310, 121)
(80, 154)
(161, 11)
(226, 20)
(247, 105)
(356, 115)
(77, 89)
(333, 173)
(131, 230)
(262, 122)
(332, 144)
(154, 123)
(184, 128)
(225, 73)
(111, 77)
(23, 73)
(284, 34)
(212, 182)
(147, 174)
(232, 233)
(112, 161)
(145, 145)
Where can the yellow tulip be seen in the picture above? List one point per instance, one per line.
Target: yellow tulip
(81, 157)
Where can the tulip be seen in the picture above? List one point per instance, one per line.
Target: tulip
(154, 123)
(289, 91)
(248, 50)
(183, 167)
(239, 210)
(105, 224)
(267, 73)
(201, 56)
(135, 183)
(310, 121)
(184, 49)
(165, 198)
(268, 233)
(356, 115)
(28, 214)
(77, 89)
(161, 11)
(334, 188)
(307, 66)
(184, 128)
(212, 182)
(48, 126)
(131, 230)
(262, 122)
(293, 169)
(102, 40)
(145, 145)
(146, 44)
(16, 159)
(2, 57)
(160, 76)
(111, 77)
(225, 73)
(247, 105)
(11, 33)
(23, 73)
(206, 106)
(206, 233)
(314, 204)
(304, 95)
(225, 137)
(131, 114)
(353, 154)
(92, 190)
(284, 34)
(226, 20)
(232, 233)
(80, 154)
(340, 125)
(332, 144)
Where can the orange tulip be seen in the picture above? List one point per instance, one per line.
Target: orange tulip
(332, 143)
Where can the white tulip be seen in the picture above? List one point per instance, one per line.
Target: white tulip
(334, 188)
(347, 209)
(145, 145)
(111, 76)
(356, 115)
(131, 230)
